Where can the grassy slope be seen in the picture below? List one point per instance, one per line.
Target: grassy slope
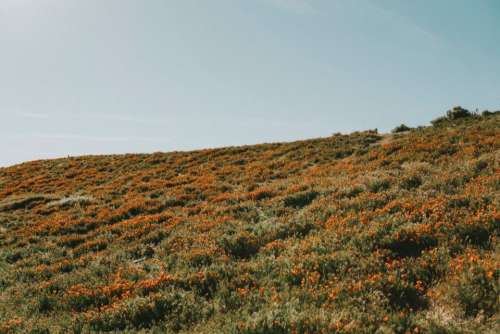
(346, 234)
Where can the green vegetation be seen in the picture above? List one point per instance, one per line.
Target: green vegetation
(359, 233)
(401, 128)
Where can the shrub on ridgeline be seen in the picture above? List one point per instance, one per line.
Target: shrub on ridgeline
(453, 114)
(458, 112)
(487, 113)
(401, 128)
(440, 121)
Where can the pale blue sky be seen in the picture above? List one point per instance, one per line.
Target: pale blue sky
(114, 76)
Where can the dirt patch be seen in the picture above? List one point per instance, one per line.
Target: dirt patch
(70, 201)
(388, 138)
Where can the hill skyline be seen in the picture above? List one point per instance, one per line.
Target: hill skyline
(244, 144)
(89, 77)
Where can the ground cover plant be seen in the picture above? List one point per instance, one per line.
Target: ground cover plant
(358, 233)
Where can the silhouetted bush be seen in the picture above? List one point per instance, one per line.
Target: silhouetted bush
(453, 114)
(458, 112)
(488, 113)
(401, 128)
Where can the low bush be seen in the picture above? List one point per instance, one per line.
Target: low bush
(405, 243)
(476, 234)
(478, 291)
(401, 128)
(440, 121)
(240, 245)
(379, 185)
(458, 112)
(453, 114)
(44, 304)
(411, 182)
(301, 199)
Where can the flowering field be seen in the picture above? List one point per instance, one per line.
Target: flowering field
(358, 233)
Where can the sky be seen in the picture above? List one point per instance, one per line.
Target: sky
(122, 76)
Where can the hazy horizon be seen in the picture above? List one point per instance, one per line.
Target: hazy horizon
(103, 77)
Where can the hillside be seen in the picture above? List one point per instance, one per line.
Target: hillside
(357, 233)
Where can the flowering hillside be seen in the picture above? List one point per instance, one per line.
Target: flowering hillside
(358, 233)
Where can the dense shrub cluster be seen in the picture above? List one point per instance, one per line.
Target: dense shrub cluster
(354, 233)
(401, 128)
(458, 113)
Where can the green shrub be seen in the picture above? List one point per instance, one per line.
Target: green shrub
(403, 295)
(451, 115)
(411, 182)
(458, 112)
(83, 302)
(301, 199)
(379, 185)
(478, 291)
(401, 128)
(155, 237)
(351, 192)
(39, 330)
(240, 245)
(301, 227)
(479, 166)
(13, 257)
(488, 113)
(408, 243)
(440, 121)
(475, 234)
(180, 309)
(44, 303)
(283, 320)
